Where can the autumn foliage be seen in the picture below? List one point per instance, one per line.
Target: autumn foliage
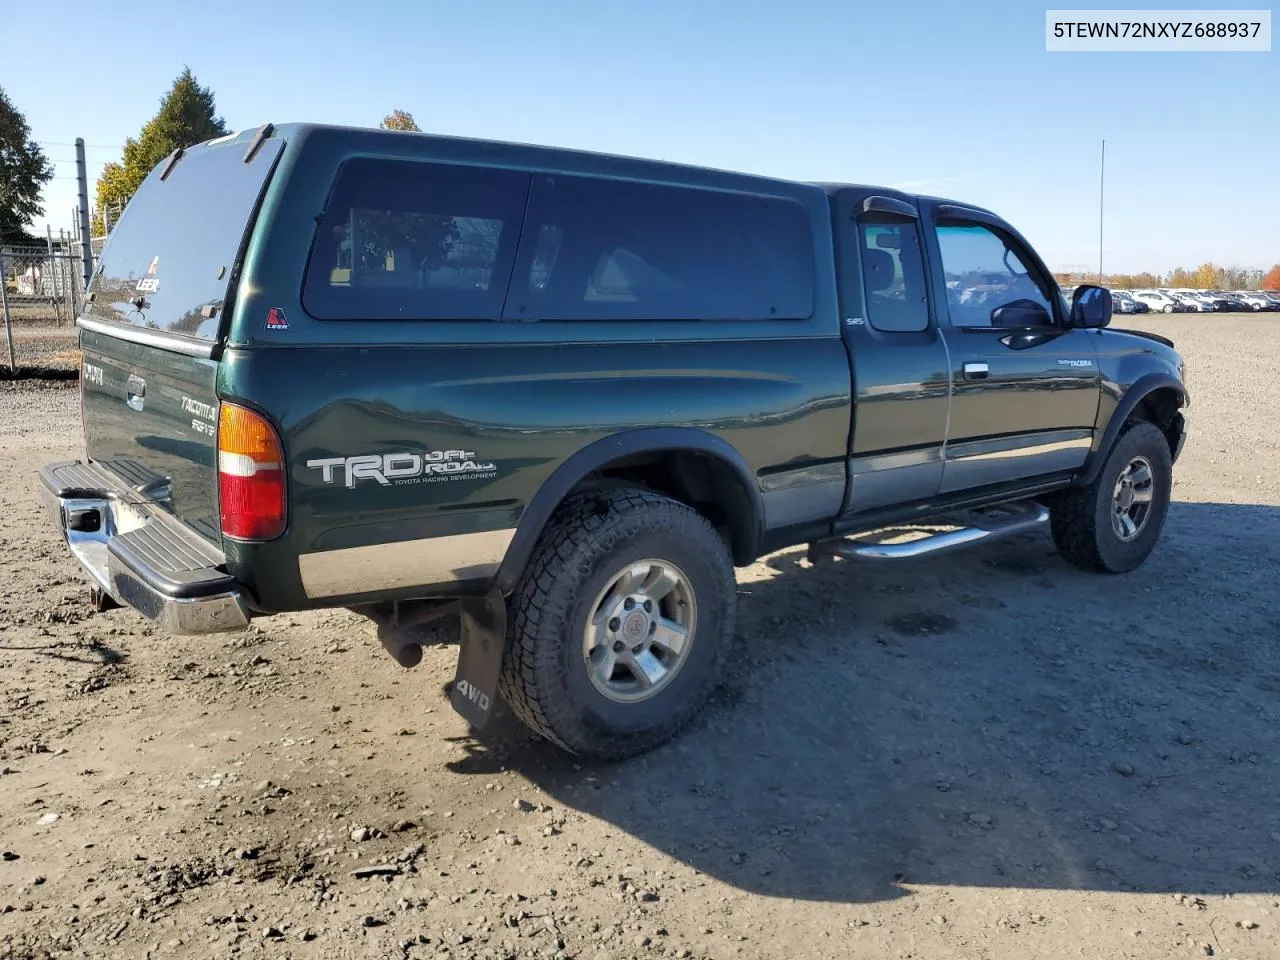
(400, 120)
(1207, 276)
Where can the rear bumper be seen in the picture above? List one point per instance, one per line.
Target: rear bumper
(140, 558)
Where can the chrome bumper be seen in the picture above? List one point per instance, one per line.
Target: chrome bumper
(114, 537)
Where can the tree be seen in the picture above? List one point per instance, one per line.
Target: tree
(186, 117)
(24, 169)
(1271, 279)
(400, 120)
(1208, 276)
(1235, 278)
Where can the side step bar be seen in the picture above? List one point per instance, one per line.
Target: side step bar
(1014, 519)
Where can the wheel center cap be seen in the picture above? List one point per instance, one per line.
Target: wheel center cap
(1125, 500)
(635, 627)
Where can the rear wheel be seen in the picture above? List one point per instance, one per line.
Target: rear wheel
(1112, 525)
(619, 628)
(1168, 308)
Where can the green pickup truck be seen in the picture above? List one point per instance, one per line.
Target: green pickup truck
(542, 402)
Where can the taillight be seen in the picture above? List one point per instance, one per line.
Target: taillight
(250, 475)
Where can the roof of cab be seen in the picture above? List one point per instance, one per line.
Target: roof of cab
(833, 188)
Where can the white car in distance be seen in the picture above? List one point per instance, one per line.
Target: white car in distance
(1158, 302)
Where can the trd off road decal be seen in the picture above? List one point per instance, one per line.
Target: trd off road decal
(403, 469)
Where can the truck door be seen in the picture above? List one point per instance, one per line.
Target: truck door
(901, 376)
(1026, 385)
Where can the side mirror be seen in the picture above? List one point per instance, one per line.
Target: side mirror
(1021, 313)
(1090, 307)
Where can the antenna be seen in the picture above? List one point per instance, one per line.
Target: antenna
(1102, 179)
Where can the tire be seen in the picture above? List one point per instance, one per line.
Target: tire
(1168, 308)
(1082, 518)
(601, 551)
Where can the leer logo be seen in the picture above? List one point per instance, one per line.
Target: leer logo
(276, 319)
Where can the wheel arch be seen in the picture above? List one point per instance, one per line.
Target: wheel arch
(692, 466)
(1157, 398)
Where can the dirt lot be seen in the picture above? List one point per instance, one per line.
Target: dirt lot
(40, 350)
(984, 755)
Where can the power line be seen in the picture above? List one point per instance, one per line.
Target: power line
(91, 146)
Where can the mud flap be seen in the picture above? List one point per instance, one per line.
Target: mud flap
(484, 633)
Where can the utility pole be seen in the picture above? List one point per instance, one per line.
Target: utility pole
(82, 177)
(1102, 180)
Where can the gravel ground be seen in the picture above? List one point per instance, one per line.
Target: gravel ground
(988, 754)
(40, 351)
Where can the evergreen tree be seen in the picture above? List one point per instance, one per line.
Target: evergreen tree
(186, 117)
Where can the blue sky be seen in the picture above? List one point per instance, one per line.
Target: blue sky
(949, 98)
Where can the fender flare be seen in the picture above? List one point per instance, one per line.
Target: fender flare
(1141, 389)
(605, 450)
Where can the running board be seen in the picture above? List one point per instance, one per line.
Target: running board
(1019, 519)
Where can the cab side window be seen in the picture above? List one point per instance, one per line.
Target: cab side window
(893, 274)
(983, 273)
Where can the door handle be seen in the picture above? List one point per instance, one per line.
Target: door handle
(136, 392)
(975, 371)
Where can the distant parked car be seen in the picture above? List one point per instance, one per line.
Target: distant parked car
(1253, 300)
(1205, 299)
(1138, 305)
(1191, 304)
(1233, 304)
(1121, 302)
(1157, 302)
(1273, 296)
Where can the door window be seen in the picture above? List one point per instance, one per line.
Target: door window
(893, 274)
(983, 273)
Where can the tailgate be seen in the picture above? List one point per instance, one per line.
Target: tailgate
(150, 417)
(151, 329)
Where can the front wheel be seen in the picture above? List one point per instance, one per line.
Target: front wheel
(1112, 525)
(620, 625)
(1168, 308)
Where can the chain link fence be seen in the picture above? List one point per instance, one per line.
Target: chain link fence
(42, 293)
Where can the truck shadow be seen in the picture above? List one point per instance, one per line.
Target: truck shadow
(96, 654)
(991, 718)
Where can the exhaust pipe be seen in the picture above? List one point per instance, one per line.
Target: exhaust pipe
(400, 626)
(404, 652)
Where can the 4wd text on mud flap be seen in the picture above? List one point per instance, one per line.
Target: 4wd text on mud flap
(395, 468)
(469, 691)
